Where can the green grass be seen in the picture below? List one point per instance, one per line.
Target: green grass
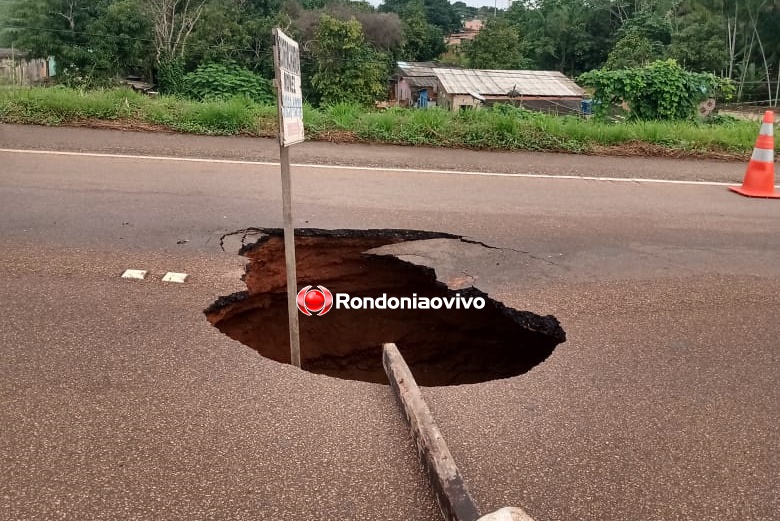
(503, 128)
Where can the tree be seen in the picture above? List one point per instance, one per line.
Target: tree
(634, 49)
(384, 31)
(221, 35)
(698, 41)
(91, 41)
(261, 7)
(642, 39)
(439, 13)
(422, 41)
(56, 28)
(654, 26)
(347, 68)
(464, 11)
(234, 31)
(172, 24)
(497, 46)
(130, 47)
(558, 32)
(7, 16)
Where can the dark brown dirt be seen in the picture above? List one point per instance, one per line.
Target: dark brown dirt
(442, 347)
(121, 124)
(640, 149)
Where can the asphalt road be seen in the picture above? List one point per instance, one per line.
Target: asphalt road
(119, 401)
(253, 149)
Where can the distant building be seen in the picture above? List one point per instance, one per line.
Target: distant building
(17, 69)
(413, 81)
(546, 91)
(470, 31)
(427, 84)
(473, 25)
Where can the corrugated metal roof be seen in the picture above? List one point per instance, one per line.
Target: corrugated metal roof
(500, 83)
(411, 69)
(421, 81)
(419, 74)
(8, 53)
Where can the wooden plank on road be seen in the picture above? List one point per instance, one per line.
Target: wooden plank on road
(451, 493)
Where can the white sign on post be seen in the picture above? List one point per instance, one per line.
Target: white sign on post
(290, 99)
(288, 67)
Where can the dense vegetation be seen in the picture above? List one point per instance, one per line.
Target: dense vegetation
(349, 47)
(500, 127)
(212, 61)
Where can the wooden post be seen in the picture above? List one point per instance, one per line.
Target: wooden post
(288, 96)
(289, 257)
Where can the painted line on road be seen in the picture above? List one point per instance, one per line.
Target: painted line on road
(171, 276)
(134, 274)
(370, 168)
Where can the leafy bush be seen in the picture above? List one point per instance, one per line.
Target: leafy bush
(219, 81)
(170, 76)
(662, 90)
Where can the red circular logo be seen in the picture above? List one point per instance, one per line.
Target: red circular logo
(317, 301)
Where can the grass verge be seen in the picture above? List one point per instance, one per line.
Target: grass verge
(497, 128)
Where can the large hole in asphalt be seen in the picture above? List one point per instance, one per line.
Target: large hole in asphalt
(442, 346)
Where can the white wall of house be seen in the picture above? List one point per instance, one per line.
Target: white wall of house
(454, 102)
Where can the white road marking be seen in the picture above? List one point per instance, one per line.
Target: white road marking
(134, 274)
(174, 277)
(371, 168)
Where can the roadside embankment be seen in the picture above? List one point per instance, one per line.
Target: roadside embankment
(497, 128)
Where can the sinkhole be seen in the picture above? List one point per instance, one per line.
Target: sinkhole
(441, 346)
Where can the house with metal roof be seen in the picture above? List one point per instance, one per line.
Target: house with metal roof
(414, 81)
(548, 91)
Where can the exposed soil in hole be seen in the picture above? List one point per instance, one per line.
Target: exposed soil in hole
(442, 347)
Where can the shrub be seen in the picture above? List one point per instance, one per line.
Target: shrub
(660, 90)
(170, 76)
(219, 81)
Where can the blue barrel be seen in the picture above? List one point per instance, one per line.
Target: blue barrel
(422, 102)
(586, 106)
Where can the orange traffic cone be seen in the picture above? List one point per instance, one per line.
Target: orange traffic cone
(760, 176)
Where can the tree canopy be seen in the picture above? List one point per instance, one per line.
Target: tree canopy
(94, 41)
(497, 46)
